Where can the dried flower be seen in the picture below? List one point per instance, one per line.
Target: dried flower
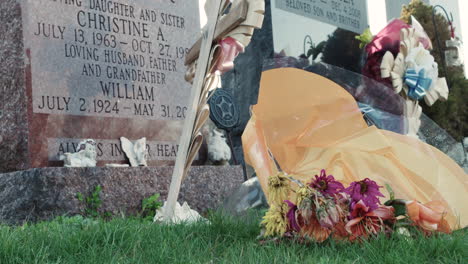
(326, 212)
(302, 193)
(306, 210)
(342, 201)
(278, 188)
(313, 229)
(333, 212)
(366, 191)
(291, 216)
(327, 185)
(274, 220)
(307, 219)
(316, 214)
(324, 219)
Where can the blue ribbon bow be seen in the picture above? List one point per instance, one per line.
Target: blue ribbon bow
(418, 83)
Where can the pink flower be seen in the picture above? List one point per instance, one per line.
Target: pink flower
(365, 190)
(327, 185)
(429, 217)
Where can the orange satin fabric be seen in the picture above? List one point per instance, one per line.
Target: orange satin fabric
(309, 123)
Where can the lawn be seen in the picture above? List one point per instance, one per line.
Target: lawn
(226, 240)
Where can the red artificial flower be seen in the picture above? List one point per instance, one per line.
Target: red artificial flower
(367, 222)
(388, 39)
(372, 69)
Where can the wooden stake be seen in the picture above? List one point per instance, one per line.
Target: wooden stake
(225, 25)
(186, 138)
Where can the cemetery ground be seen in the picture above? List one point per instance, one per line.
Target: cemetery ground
(225, 240)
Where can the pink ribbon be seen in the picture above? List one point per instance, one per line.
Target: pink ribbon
(388, 39)
(230, 49)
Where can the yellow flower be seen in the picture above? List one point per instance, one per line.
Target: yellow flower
(274, 221)
(278, 188)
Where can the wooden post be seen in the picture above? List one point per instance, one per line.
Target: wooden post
(239, 23)
(186, 138)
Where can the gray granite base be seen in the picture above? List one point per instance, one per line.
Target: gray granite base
(42, 194)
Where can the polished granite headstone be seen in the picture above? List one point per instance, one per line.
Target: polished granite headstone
(72, 70)
(282, 35)
(243, 81)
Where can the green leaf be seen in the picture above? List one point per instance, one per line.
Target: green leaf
(92, 202)
(315, 55)
(390, 191)
(400, 209)
(149, 206)
(365, 38)
(80, 197)
(399, 205)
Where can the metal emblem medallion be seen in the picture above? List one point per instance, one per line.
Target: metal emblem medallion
(224, 112)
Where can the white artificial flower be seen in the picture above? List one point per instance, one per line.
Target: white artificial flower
(419, 58)
(413, 112)
(413, 56)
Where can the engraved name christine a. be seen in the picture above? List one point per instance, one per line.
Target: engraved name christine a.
(106, 16)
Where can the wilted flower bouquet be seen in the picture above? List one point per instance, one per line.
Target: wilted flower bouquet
(324, 208)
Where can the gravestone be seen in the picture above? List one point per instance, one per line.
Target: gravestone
(294, 20)
(244, 80)
(45, 193)
(284, 29)
(324, 31)
(79, 69)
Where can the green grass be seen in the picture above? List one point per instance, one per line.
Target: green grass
(226, 240)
